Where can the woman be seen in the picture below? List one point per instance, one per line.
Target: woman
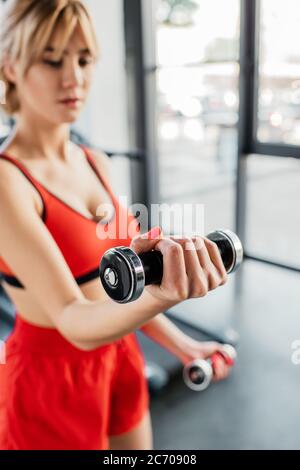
(74, 377)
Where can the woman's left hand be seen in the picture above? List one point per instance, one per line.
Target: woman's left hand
(193, 349)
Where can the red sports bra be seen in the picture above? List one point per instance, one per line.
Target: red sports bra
(81, 240)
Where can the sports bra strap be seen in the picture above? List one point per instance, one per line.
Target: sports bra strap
(22, 168)
(30, 178)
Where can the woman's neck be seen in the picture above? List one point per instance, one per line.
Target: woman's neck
(42, 140)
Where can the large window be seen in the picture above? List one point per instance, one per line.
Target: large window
(279, 72)
(271, 175)
(201, 87)
(196, 76)
(272, 209)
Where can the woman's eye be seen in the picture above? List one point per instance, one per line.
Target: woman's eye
(84, 62)
(53, 63)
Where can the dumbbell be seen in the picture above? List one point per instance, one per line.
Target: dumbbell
(198, 374)
(124, 274)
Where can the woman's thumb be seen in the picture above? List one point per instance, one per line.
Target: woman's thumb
(146, 241)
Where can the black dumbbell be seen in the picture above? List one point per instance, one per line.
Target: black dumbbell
(198, 374)
(124, 274)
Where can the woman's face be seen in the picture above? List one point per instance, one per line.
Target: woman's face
(56, 89)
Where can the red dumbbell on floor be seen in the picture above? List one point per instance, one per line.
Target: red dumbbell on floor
(199, 373)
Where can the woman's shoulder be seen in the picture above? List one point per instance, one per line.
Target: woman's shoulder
(10, 159)
(10, 169)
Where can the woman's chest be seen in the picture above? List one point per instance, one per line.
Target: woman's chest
(79, 189)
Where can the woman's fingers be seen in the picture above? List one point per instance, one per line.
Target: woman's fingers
(215, 256)
(146, 241)
(202, 273)
(175, 278)
(198, 285)
(191, 266)
(219, 368)
(174, 284)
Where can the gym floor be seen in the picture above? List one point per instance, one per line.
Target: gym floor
(258, 406)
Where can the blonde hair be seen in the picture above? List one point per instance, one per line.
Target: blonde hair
(26, 29)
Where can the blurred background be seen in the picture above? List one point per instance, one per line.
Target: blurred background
(198, 101)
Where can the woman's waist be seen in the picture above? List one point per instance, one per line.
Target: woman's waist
(27, 336)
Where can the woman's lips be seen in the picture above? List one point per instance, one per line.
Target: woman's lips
(71, 102)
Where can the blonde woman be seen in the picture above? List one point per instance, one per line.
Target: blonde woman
(74, 377)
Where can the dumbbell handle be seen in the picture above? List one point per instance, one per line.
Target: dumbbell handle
(198, 374)
(124, 274)
(153, 261)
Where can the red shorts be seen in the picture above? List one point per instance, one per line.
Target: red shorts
(54, 396)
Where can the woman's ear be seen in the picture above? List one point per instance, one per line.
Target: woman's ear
(9, 70)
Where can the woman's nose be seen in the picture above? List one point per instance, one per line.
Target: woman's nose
(72, 76)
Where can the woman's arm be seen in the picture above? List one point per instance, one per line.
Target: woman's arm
(160, 329)
(164, 332)
(92, 324)
(29, 249)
